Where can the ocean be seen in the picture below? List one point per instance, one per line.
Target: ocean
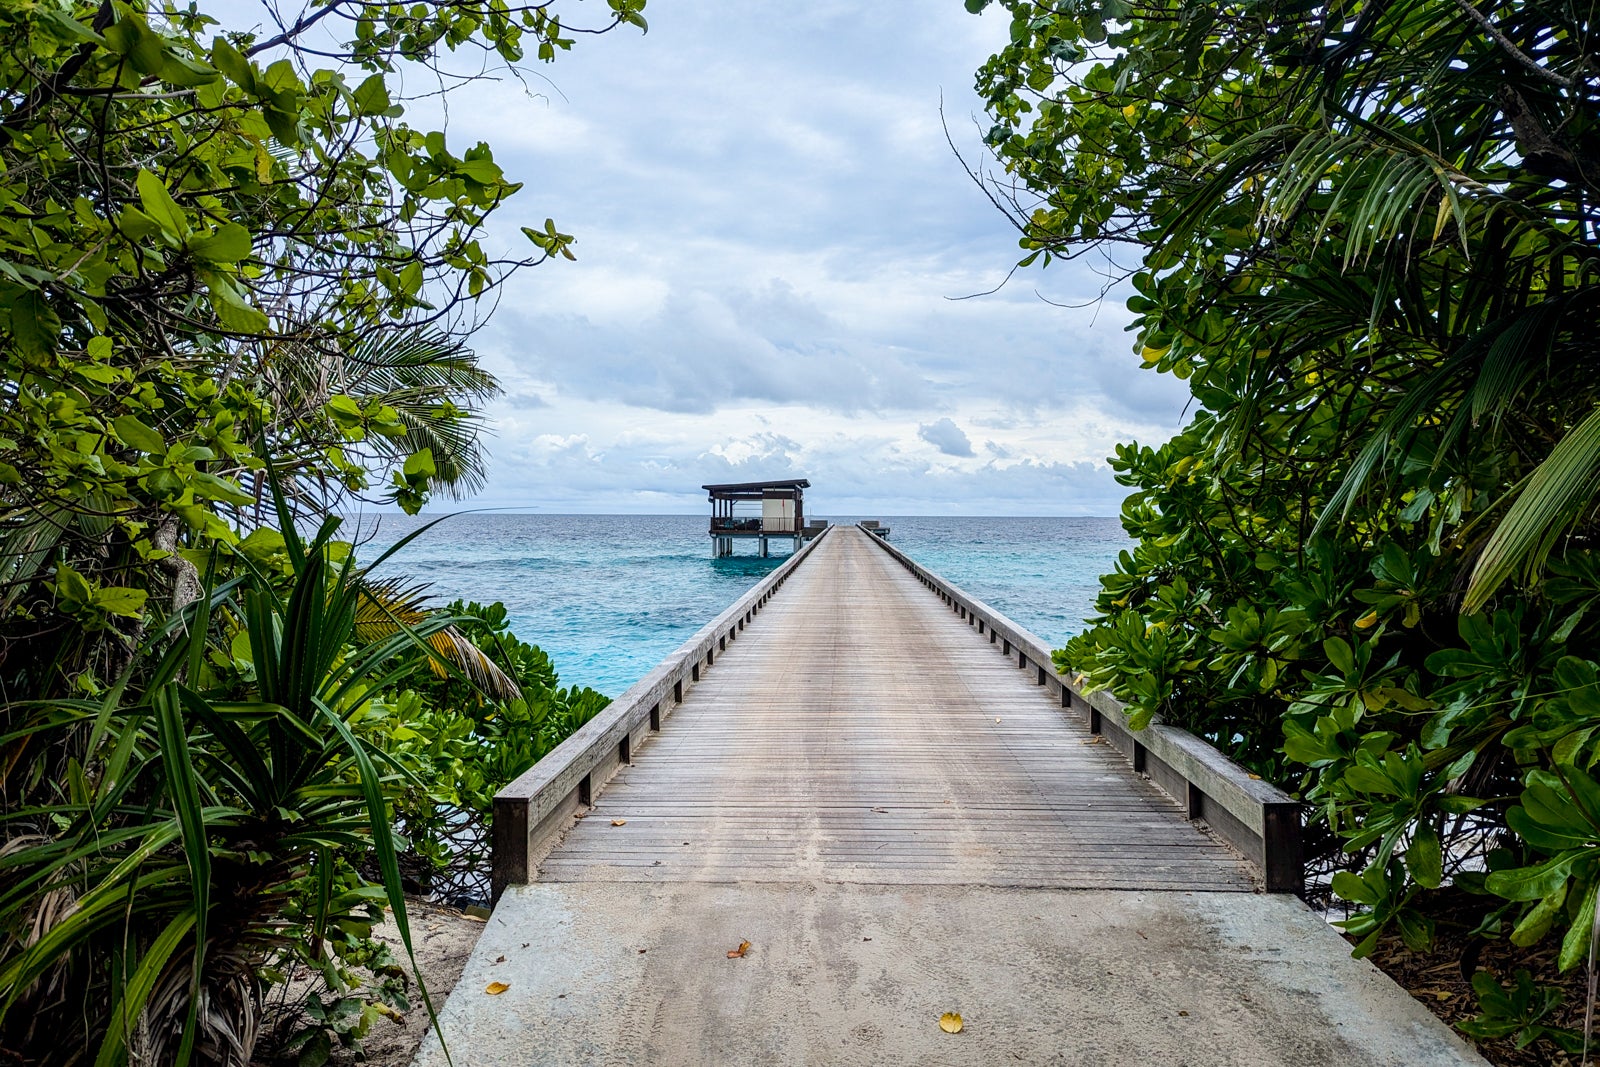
(608, 596)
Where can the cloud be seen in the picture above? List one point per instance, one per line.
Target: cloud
(947, 437)
(770, 231)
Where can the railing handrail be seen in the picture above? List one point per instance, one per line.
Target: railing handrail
(1257, 818)
(531, 811)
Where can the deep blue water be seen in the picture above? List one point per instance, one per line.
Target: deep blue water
(608, 596)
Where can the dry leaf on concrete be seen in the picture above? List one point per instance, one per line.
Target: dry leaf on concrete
(738, 953)
(950, 1022)
(494, 989)
(619, 822)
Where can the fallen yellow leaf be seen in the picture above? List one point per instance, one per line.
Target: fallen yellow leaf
(738, 953)
(494, 989)
(950, 1022)
(619, 822)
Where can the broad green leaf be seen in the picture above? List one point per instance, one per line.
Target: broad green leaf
(1352, 887)
(121, 600)
(420, 464)
(35, 327)
(1339, 654)
(229, 244)
(1425, 859)
(159, 205)
(1531, 883)
(233, 64)
(233, 311)
(372, 95)
(133, 38)
(134, 433)
(1575, 945)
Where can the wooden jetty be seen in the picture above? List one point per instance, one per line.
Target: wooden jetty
(878, 685)
(860, 798)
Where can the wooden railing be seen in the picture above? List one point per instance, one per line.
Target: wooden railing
(531, 812)
(1258, 819)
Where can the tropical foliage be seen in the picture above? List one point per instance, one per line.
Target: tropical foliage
(235, 287)
(466, 741)
(1366, 235)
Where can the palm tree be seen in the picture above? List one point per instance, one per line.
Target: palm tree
(426, 383)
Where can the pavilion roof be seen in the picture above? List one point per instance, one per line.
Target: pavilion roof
(756, 487)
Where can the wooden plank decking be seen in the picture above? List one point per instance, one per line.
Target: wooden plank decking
(865, 733)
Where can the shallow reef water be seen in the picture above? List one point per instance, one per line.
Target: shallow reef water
(607, 596)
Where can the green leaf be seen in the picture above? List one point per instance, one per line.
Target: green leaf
(233, 311)
(1353, 887)
(35, 327)
(72, 589)
(131, 37)
(159, 205)
(1339, 654)
(1531, 883)
(372, 96)
(138, 989)
(121, 600)
(1575, 945)
(1424, 858)
(181, 70)
(420, 464)
(184, 794)
(137, 225)
(1537, 922)
(232, 63)
(228, 244)
(134, 433)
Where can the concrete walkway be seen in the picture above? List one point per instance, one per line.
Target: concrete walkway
(901, 825)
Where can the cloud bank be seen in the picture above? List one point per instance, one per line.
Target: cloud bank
(772, 234)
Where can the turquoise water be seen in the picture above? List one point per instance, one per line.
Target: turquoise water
(608, 596)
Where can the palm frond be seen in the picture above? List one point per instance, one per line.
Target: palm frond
(394, 361)
(390, 608)
(1555, 496)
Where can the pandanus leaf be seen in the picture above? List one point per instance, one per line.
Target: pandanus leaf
(1553, 498)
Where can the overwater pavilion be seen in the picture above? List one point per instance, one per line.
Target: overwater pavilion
(762, 510)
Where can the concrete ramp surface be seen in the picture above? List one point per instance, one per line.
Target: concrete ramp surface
(857, 975)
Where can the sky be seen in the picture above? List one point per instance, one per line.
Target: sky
(771, 236)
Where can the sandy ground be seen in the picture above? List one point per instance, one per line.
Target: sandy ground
(443, 939)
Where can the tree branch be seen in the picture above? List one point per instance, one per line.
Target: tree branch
(1505, 42)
